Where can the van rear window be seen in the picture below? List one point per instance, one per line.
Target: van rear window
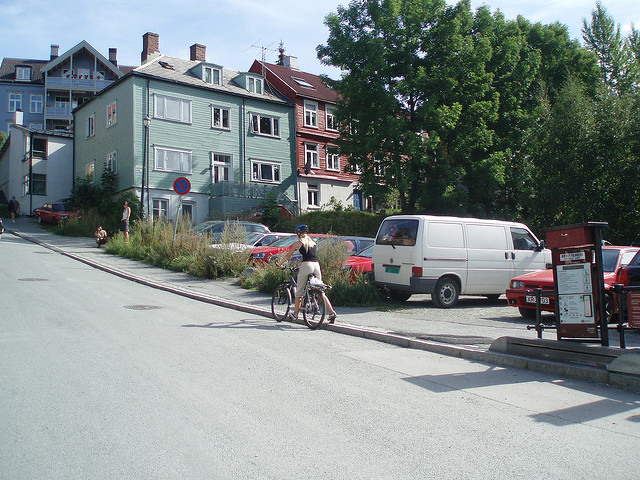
(398, 232)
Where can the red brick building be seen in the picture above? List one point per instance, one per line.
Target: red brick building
(320, 167)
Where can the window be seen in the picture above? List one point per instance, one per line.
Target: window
(262, 125)
(91, 171)
(187, 209)
(36, 104)
(91, 125)
(112, 162)
(357, 200)
(23, 74)
(313, 195)
(254, 85)
(311, 155)
(331, 118)
(35, 126)
(265, 171)
(222, 168)
(111, 114)
(302, 82)
(39, 184)
(40, 147)
(220, 117)
(211, 75)
(160, 207)
(310, 114)
(62, 102)
(522, 240)
(170, 108)
(15, 102)
(333, 161)
(172, 160)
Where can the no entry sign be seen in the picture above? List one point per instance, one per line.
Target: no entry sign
(182, 186)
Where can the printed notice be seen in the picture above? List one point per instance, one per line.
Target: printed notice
(574, 278)
(575, 299)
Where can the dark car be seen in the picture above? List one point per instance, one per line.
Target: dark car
(55, 212)
(629, 275)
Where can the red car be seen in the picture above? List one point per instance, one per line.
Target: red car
(360, 262)
(262, 255)
(54, 212)
(521, 289)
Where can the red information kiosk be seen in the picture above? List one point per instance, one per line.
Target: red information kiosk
(579, 281)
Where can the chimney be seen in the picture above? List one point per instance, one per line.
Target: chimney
(150, 46)
(55, 52)
(198, 53)
(113, 56)
(18, 117)
(290, 62)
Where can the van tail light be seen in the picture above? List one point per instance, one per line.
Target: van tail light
(416, 272)
(623, 276)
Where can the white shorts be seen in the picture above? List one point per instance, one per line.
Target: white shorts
(303, 275)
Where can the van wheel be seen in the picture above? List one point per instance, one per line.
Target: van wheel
(493, 298)
(399, 296)
(446, 293)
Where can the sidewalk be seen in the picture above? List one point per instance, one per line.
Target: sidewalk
(427, 329)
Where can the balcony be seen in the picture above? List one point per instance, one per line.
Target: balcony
(60, 112)
(251, 191)
(84, 84)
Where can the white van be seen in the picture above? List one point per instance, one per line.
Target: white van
(450, 256)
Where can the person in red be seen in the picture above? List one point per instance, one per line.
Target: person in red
(307, 248)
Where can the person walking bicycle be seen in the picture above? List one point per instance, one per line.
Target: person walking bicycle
(307, 248)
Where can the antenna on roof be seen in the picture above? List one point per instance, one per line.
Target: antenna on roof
(265, 49)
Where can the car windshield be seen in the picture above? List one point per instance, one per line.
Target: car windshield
(285, 242)
(61, 207)
(365, 252)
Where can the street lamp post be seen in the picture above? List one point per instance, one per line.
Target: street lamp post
(145, 165)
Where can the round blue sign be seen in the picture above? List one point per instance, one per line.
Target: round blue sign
(182, 185)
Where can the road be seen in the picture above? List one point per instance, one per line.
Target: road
(103, 378)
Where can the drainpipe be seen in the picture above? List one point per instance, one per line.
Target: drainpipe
(30, 172)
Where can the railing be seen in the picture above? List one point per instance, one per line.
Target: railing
(251, 190)
(58, 111)
(78, 83)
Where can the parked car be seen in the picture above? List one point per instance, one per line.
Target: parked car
(1, 227)
(254, 240)
(360, 262)
(629, 275)
(54, 212)
(520, 293)
(353, 244)
(262, 255)
(214, 228)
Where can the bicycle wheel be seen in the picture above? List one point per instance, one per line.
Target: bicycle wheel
(313, 309)
(281, 303)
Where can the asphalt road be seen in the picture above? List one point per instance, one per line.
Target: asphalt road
(103, 378)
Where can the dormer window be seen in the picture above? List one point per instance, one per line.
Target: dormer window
(302, 82)
(211, 75)
(254, 85)
(23, 74)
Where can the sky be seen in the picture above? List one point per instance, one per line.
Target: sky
(235, 32)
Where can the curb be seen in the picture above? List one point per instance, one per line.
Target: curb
(624, 381)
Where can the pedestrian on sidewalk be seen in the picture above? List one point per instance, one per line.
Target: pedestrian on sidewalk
(307, 248)
(101, 236)
(124, 225)
(14, 208)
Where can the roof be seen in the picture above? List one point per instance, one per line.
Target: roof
(83, 44)
(304, 84)
(8, 69)
(180, 71)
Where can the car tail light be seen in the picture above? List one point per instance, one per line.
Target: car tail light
(623, 276)
(416, 271)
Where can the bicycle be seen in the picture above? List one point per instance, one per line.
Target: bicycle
(312, 304)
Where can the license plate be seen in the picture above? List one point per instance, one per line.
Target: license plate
(543, 300)
(392, 269)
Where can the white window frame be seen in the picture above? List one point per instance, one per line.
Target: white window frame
(160, 207)
(331, 118)
(255, 85)
(313, 195)
(162, 104)
(91, 125)
(215, 75)
(37, 101)
(219, 165)
(23, 74)
(161, 161)
(91, 171)
(257, 167)
(257, 124)
(112, 161)
(112, 111)
(312, 155)
(221, 112)
(310, 114)
(15, 101)
(333, 161)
